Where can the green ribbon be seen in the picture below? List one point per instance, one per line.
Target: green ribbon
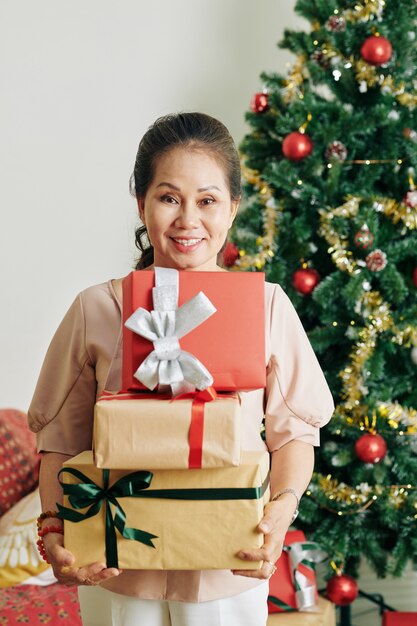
(88, 494)
(134, 485)
(280, 604)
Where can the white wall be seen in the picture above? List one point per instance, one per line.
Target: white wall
(81, 81)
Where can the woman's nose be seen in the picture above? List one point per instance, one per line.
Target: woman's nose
(188, 216)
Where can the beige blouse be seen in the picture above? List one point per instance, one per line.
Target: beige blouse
(84, 358)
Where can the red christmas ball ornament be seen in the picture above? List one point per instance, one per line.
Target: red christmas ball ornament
(230, 254)
(297, 146)
(376, 50)
(342, 589)
(415, 276)
(259, 102)
(364, 238)
(305, 280)
(370, 448)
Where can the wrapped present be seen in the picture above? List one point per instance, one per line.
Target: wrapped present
(193, 330)
(168, 519)
(293, 585)
(399, 618)
(139, 431)
(324, 615)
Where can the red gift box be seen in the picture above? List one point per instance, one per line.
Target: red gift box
(230, 344)
(282, 589)
(398, 618)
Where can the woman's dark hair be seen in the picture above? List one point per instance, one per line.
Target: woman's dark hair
(194, 130)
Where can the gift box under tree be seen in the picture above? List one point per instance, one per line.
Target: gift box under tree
(293, 585)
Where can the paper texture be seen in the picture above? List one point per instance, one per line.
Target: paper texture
(154, 434)
(192, 535)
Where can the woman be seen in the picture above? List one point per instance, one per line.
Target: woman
(187, 184)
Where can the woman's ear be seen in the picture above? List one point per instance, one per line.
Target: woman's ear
(233, 210)
(141, 209)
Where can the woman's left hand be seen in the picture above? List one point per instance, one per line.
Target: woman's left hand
(274, 524)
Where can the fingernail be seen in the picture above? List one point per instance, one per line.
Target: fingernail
(65, 569)
(241, 555)
(264, 527)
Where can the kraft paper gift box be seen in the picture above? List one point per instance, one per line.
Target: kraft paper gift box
(230, 343)
(293, 585)
(133, 431)
(185, 519)
(324, 616)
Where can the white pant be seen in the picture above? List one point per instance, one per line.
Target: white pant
(100, 607)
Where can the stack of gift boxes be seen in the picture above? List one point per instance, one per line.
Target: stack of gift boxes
(167, 485)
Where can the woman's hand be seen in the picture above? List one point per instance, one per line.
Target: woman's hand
(62, 560)
(274, 524)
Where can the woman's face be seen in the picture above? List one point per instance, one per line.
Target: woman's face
(187, 210)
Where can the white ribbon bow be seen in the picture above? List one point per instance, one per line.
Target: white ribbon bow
(308, 553)
(167, 364)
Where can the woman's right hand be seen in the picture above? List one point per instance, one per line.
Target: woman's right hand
(62, 561)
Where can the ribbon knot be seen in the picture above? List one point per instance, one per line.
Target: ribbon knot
(168, 364)
(88, 494)
(167, 348)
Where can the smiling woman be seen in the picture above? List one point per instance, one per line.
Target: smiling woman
(187, 183)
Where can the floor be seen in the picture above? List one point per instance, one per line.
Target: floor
(401, 594)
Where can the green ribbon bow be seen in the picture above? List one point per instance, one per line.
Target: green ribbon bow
(88, 494)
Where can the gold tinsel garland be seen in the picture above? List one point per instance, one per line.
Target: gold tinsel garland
(364, 11)
(378, 313)
(341, 256)
(397, 211)
(355, 500)
(292, 85)
(266, 243)
(399, 418)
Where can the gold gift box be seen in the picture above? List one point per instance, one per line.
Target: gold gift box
(190, 534)
(325, 615)
(154, 434)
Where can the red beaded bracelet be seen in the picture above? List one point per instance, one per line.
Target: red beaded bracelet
(41, 534)
(45, 515)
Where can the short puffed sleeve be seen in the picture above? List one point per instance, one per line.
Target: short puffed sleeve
(298, 399)
(62, 406)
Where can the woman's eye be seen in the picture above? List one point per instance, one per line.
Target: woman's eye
(207, 201)
(168, 199)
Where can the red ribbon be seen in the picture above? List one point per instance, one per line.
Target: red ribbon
(196, 433)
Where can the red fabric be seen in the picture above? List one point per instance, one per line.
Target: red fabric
(240, 363)
(281, 585)
(30, 604)
(19, 462)
(396, 618)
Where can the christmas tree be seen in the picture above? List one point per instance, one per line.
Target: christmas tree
(331, 215)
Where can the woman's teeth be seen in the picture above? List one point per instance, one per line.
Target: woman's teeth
(187, 242)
